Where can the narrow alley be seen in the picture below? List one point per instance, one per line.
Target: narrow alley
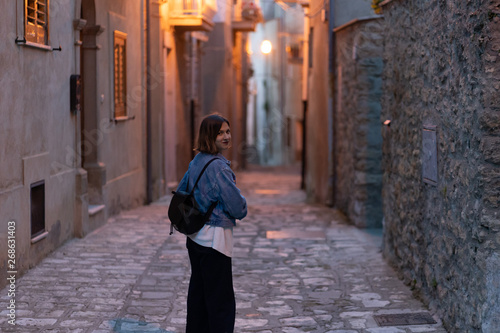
(387, 110)
(297, 267)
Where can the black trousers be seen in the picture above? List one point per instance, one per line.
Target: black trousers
(211, 306)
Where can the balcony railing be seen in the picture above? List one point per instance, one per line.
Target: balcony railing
(246, 15)
(192, 15)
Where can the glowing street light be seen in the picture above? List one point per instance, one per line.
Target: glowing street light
(266, 47)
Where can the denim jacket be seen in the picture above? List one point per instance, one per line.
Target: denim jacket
(218, 183)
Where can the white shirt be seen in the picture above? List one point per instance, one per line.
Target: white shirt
(218, 238)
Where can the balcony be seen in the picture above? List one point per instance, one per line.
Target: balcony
(192, 15)
(246, 15)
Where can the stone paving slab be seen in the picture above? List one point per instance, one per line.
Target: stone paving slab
(297, 268)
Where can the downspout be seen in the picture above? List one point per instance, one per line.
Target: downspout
(192, 104)
(149, 176)
(305, 86)
(283, 116)
(332, 110)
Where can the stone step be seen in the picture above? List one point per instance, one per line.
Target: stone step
(97, 216)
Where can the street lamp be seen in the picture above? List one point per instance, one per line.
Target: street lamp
(266, 47)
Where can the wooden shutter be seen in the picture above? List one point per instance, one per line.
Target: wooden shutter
(36, 21)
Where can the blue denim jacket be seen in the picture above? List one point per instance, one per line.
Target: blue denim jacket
(218, 183)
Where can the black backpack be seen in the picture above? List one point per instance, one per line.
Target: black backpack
(184, 212)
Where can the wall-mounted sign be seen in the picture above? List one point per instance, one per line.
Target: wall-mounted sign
(429, 158)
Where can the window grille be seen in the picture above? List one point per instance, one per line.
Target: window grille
(36, 21)
(120, 74)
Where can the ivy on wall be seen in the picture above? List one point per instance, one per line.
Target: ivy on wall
(376, 6)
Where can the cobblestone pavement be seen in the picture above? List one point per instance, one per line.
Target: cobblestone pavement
(297, 268)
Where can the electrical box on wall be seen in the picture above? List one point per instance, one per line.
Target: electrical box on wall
(75, 92)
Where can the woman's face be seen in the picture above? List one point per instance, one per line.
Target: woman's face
(223, 140)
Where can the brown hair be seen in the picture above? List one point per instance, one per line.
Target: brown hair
(209, 129)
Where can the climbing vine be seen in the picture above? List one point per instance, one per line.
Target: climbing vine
(376, 6)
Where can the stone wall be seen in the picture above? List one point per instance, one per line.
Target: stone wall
(442, 70)
(358, 139)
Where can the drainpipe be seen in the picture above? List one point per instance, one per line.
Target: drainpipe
(282, 62)
(193, 93)
(305, 86)
(149, 176)
(332, 110)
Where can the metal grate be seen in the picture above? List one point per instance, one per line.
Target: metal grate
(400, 319)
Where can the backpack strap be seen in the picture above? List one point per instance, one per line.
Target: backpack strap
(201, 173)
(212, 206)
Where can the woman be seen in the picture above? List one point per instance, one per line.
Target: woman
(211, 306)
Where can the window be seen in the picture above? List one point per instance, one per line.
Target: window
(294, 51)
(36, 18)
(120, 73)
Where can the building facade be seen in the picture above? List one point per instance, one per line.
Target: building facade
(73, 130)
(318, 133)
(357, 91)
(101, 103)
(412, 116)
(441, 166)
(343, 140)
(274, 116)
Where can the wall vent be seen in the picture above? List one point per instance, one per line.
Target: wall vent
(37, 208)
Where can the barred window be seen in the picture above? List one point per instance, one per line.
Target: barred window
(36, 21)
(120, 73)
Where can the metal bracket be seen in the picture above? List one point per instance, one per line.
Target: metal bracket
(20, 41)
(36, 45)
(120, 119)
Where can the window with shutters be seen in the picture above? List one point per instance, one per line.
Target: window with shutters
(120, 74)
(36, 18)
